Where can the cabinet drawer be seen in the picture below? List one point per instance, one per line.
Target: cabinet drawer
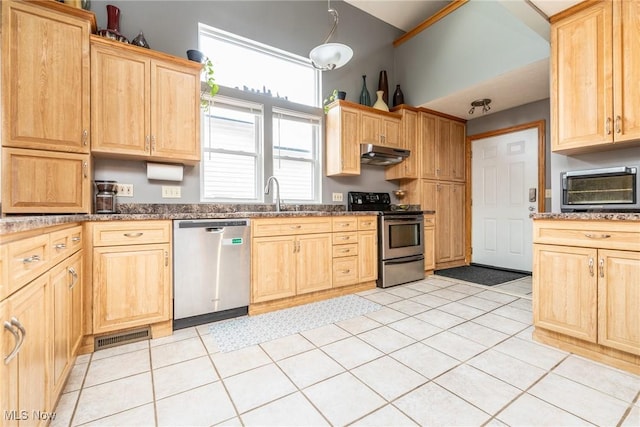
(286, 226)
(131, 233)
(367, 223)
(26, 260)
(64, 243)
(345, 224)
(350, 249)
(345, 271)
(344, 238)
(622, 235)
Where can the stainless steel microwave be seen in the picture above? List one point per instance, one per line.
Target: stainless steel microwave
(601, 190)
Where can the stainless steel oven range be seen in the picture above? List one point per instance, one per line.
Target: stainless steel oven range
(400, 238)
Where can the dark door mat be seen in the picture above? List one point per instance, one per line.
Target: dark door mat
(481, 275)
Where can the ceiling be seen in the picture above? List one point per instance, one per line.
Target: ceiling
(509, 90)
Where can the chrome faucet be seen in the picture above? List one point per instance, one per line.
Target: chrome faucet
(276, 196)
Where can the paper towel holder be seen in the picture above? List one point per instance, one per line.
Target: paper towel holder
(164, 171)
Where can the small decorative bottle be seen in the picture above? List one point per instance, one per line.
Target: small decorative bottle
(380, 104)
(398, 96)
(364, 94)
(140, 41)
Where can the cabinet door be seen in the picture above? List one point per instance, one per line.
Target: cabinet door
(457, 218)
(444, 167)
(313, 263)
(273, 268)
(45, 81)
(367, 256)
(457, 151)
(175, 112)
(619, 300)
(36, 181)
(370, 128)
(565, 286)
(77, 294)
(581, 79)
(132, 286)
(120, 101)
(444, 213)
(626, 69)
(343, 141)
(428, 130)
(429, 248)
(25, 378)
(61, 280)
(390, 132)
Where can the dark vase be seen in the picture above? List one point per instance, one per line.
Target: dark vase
(342, 95)
(365, 99)
(140, 41)
(398, 96)
(195, 55)
(113, 18)
(383, 85)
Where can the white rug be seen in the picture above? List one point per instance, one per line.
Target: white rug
(234, 334)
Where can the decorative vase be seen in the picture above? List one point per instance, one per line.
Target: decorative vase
(195, 55)
(383, 85)
(342, 95)
(380, 104)
(398, 96)
(364, 94)
(140, 41)
(113, 25)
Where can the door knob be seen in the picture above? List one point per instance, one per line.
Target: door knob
(532, 208)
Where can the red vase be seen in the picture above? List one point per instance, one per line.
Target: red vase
(113, 18)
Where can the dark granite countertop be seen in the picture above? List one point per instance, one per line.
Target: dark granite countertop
(588, 216)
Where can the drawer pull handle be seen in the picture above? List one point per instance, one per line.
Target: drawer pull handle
(85, 134)
(85, 169)
(618, 128)
(366, 223)
(32, 258)
(344, 224)
(166, 258)
(60, 246)
(74, 277)
(296, 226)
(345, 237)
(75, 239)
(591, 267)
(138, 234)
(346, 271)
(608, 125)
(601, 267)
(19, 338)
(597, 236)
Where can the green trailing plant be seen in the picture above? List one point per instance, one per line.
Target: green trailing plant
(207, 69)
(328, 100)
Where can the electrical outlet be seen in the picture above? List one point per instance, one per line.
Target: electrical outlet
(337, 197)
(547, 193)
(171, 192)
(124, 190)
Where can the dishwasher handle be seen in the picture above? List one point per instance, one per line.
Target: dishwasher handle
(214, 230)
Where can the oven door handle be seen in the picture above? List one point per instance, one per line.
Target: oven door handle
(408, 219)
(404, 260)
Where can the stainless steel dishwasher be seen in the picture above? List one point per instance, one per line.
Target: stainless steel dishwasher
(211, 270)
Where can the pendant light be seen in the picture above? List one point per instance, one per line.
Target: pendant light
(329, 56)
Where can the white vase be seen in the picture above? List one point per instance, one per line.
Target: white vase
(380, 105)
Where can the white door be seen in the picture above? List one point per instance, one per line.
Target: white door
(504, 172)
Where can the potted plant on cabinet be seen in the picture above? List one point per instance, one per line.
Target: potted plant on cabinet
(207, 69)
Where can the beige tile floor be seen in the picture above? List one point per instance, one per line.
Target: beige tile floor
(440, 352)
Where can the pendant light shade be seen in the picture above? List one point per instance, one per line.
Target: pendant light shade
(329, 56)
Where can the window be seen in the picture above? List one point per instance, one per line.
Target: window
(272, 70)
(296, 140)
(249, 135)
(232, 148)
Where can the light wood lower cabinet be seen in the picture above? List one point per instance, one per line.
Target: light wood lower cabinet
(586, 297)
(132, 279)
(429, 242)
(447, 199)
(367, 249)
(25, 373)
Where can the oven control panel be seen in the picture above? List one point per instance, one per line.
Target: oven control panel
(369, 199)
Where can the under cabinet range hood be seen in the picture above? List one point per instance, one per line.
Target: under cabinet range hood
(377, 155)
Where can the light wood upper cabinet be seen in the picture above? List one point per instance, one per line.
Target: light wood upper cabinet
(144, 104)
(428, 132)
(37, 181)
(408, 168)
(379, 129)
(595, 55)
(442, 145)
(343, 141)
(45, 79)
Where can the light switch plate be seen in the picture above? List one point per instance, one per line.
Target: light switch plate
(547, 193)
(171, 192)
(337, 197)
(124, 190)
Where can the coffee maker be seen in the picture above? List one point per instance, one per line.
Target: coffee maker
(106, 196)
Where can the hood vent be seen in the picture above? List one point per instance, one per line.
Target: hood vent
(381, 156)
